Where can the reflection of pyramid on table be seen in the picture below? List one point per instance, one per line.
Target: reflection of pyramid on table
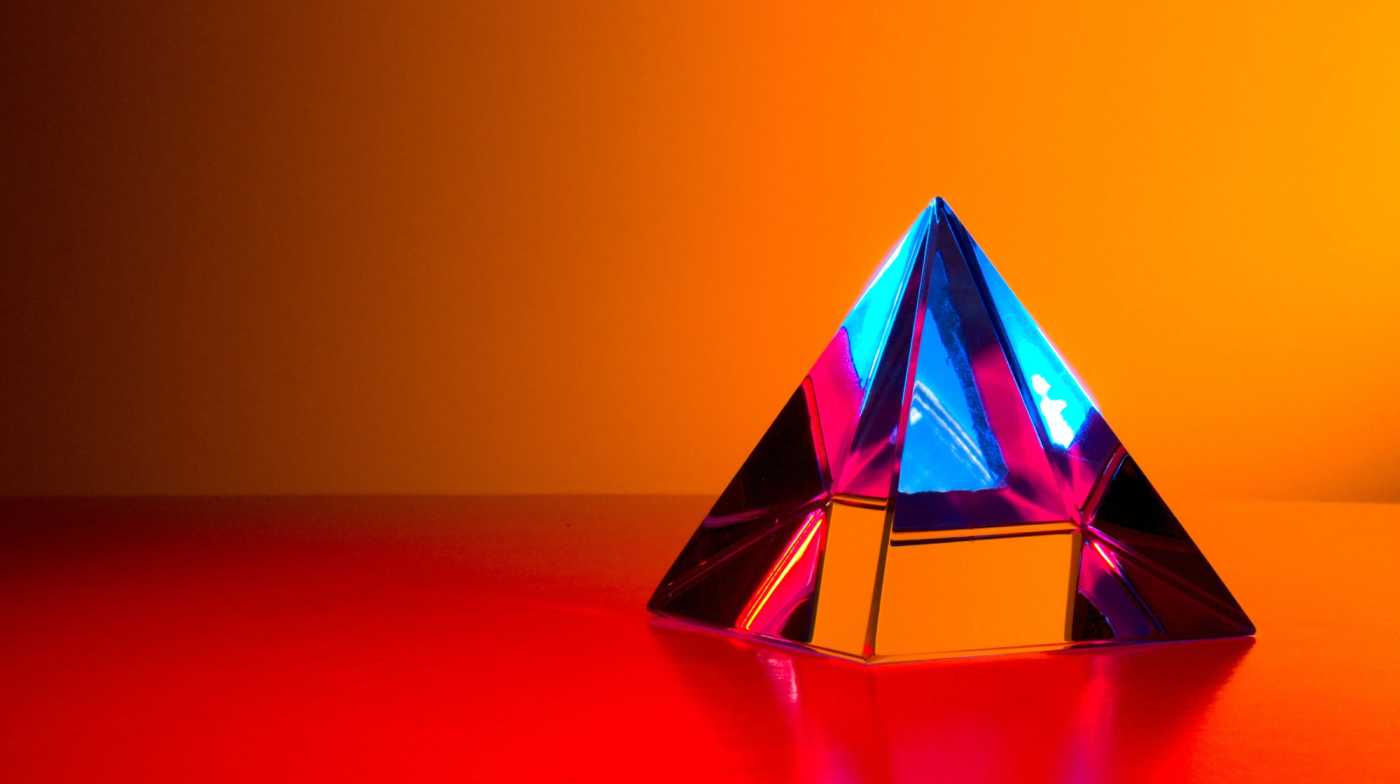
(941, 484)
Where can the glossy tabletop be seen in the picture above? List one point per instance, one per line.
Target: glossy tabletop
(499, 639)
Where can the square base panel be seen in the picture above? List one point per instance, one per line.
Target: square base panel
(959, 594)
(885, 595)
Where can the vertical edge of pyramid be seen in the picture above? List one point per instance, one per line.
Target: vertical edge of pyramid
(906, 392)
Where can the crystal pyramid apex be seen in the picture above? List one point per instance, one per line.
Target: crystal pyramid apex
(941, 484)
(942, 210)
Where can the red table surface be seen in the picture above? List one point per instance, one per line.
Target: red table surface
(504, 639)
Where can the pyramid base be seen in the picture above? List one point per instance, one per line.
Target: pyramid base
(686, 625)
(835, 579)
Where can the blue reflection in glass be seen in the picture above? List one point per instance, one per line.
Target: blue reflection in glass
(869, 321)
(1060, 400)
(948, 444)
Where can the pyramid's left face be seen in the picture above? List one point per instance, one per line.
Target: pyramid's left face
(941, 484)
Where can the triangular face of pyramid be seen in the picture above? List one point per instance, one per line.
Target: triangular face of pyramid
(940, 484)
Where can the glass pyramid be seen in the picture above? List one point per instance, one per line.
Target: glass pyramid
(940, 484)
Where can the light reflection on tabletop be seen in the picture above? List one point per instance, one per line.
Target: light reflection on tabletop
(504, 638)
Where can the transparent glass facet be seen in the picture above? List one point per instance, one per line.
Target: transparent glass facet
(948, 444)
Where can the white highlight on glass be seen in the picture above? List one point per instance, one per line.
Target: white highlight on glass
(1053, 412)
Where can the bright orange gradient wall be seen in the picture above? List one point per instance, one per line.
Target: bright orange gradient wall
(593, 247)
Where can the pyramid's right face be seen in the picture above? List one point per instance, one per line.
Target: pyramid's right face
(941, 484)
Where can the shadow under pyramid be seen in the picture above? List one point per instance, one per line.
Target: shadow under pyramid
(940, 484)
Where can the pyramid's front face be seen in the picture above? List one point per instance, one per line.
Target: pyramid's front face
(940, 484)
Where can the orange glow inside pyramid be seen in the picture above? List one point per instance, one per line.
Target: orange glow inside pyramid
(940, 484)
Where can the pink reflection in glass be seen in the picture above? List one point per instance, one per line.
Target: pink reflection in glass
(791, 581)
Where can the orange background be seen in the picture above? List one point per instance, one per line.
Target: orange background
(538, 248)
